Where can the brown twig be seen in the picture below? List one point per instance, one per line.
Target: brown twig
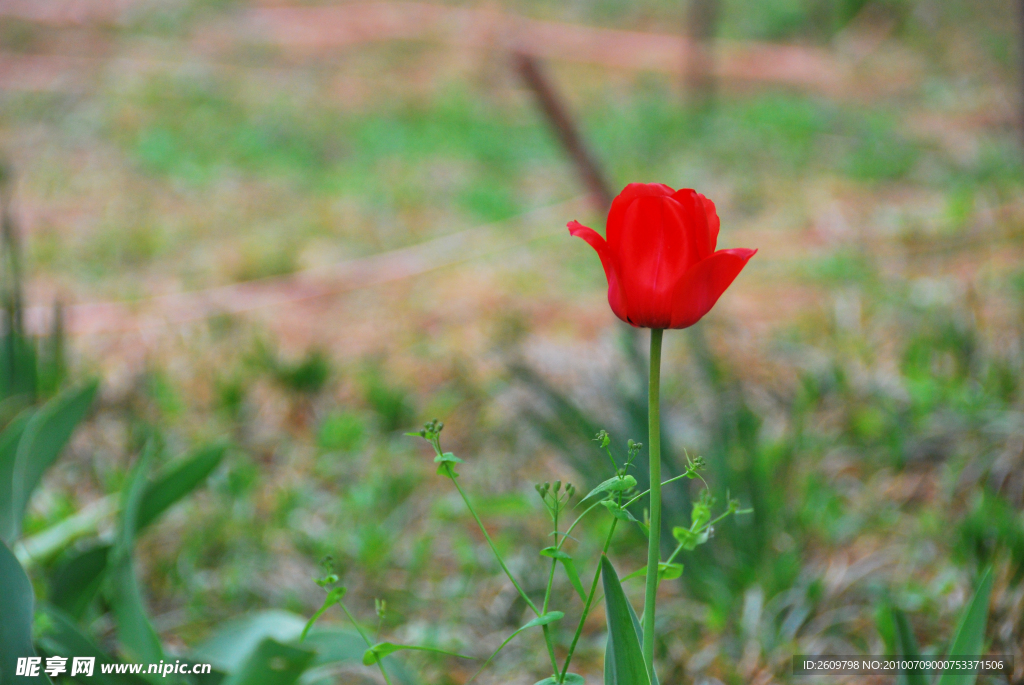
(565, 128)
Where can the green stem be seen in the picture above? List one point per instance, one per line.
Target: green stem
(565, 535)
(547, 597)
(501, 562)
(586, 607)
(654, 533)
(362, 634)
(644, 493)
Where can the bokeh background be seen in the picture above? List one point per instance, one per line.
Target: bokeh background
(300, 229)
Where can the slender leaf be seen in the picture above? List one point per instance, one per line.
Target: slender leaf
(624, 660)
(613, 484)
(666, 571)
(570, 569)
(908, 646)
(382, 649)
(574, 578)
(45, 435)
(970, 635)
(272, 663)
(134, 631)
(178, 481)
(62, 637)
(77, 579)
(16, 599)
(9, 440)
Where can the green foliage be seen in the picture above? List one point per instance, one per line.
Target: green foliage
(16, 627)
(134, 630)
(29, 445)
(76, 579)
(993, 528)
(60, 635)
(308, 375)
(272, 663)
(389, 401)
(176, 481)
(970, 634)
(623, 658)
(341, 431)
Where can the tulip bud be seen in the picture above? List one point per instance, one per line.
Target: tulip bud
(652, 224)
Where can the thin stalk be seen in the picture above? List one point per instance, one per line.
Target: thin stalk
(654, 533)
(565, 535)
(501, 562)
(362, 634)
(586, 607)
(644, 493)
(547, 597)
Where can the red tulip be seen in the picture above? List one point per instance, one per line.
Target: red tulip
(659, 256)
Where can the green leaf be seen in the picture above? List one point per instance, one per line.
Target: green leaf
(134, 631)
(16, 600)
(9, 439)
(445, 463)
(76, 579)
(970, 635)
(570, 569)
(666, 571)
(908, 646)
(624, 660)
(272, 663)
(689, 539)
(45, 434)
(622, 513)
(613, 484)
(60, 636)
(574, 578)
(382, 649)
(177, 481)
(235, 641)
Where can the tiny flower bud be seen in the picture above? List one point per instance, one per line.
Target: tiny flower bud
(558, 486)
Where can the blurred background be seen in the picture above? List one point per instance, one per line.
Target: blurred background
(284, 233)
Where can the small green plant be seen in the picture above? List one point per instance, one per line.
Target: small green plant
(618, 497)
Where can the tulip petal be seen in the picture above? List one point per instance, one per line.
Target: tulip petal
(617, 214)
(714, 223)
(698, 231)
(700, 287)
(655, 250)
(594, 239)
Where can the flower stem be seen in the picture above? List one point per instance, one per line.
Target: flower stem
(654, 533)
